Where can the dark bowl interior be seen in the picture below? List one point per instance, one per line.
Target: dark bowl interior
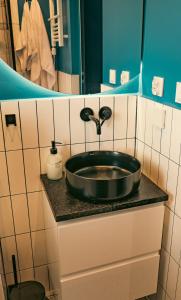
(102, 175)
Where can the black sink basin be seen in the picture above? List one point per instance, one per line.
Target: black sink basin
(102, 175)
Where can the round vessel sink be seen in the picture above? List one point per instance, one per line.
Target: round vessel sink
(102, 175)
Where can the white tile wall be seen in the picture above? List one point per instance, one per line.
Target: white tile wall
(163, 167)
(26, 149)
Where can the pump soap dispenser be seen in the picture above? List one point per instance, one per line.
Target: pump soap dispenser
(54, 163)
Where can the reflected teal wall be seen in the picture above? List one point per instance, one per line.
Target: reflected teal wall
(162, 47)
(68, 57)
(122, 34)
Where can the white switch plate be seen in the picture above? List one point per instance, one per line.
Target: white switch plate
(124, 77)
(112, 76)
(157, 86)
(178, 92)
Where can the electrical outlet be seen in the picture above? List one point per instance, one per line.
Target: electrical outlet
(124, 77)
(112, 76)
(178, 92)
(157, 86)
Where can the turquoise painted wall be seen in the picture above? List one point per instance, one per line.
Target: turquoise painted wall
(69, 57)
(122, 35)
(162, 48)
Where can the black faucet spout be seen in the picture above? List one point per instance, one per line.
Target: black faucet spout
(98, 124)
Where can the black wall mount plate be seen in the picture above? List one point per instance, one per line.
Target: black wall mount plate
(85, 113)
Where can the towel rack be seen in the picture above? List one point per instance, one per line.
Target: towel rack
(56, 25)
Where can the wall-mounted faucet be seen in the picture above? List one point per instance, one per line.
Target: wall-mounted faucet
(87, 115)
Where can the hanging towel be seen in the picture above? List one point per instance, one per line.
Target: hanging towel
(42, 67)
(26, 49)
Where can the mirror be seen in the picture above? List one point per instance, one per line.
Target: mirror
(100, 39)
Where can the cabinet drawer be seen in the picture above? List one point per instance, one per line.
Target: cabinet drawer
(99, 241)
(127, 281)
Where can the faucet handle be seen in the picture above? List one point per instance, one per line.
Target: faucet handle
(85, 113)
(105, 113)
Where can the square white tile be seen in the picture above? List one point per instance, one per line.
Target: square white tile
(166, 132)
(147, 160)
(29, 130)
(77, 126)
(120, 145)
(35, 203)
(16, 172)
(155, 159)
(1, 134)
(140, 151)
(12, 134)
(172, 183)
(178, 196)
(149, 122)
(92, 146)
(20, 212)
(120, 117)
(130, 146)
(77, 148)
(27, 275)
(32, 170)
(176, 240)
(24, 251)
(45, 122)
(39, 248)
(167, 229)
(132, 106)
(178, 292)
(9, 249)
(163, 172)
(172, 278)
(4, 184)
(141, 119)
(61, 119)
(175, 136)
(6, 217)
(107, 128)
(107, 145)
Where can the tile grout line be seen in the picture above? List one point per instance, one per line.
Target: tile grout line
(31, 241)
(13, 218)
(38, 135)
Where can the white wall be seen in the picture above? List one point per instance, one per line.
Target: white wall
(159, 150)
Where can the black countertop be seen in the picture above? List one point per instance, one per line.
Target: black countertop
(65, 206)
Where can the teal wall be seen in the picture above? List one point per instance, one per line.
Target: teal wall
(69, 57)
(122, 36)
(162, 47)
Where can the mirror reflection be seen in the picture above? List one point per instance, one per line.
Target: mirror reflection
(73, 46)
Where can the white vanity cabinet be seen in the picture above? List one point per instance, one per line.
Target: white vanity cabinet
(110, 256)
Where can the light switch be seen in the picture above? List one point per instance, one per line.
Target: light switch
(178, 92)
(112, 76)
(124, 77)
(157, 86)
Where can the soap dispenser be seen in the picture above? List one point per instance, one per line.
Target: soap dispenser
(54, 163)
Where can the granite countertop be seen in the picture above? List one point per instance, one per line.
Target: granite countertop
(65, 206)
